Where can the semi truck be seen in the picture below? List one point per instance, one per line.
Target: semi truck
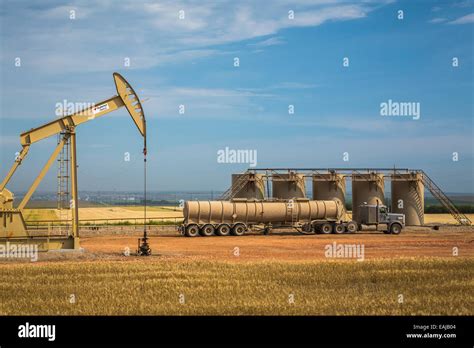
(375, 214)
(237, 216)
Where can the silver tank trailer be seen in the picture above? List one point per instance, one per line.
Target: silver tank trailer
(224, 217)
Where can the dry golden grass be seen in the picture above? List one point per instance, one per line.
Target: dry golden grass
(165, 209)
(443, 218)
(40, 214)
(125, 212)
(113, 212)
(153, 286)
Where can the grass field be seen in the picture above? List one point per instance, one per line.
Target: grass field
(113, 212)
(39, 214)
(443, 218)
(154, 286)
(153, 208)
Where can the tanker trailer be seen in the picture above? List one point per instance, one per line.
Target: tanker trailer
(237, 216)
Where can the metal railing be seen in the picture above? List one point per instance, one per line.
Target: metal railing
(235, 188)
(444, 200)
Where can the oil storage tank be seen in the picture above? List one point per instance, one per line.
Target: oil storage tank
(287, 186)
(367, 188)
(248, 185)
(408, 197)
(330, 186)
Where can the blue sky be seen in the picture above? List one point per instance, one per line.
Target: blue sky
(283, 61)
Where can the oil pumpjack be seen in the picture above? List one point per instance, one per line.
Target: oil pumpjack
(12, 223)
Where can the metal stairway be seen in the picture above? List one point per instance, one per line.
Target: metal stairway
(444, 200)
(238, 185)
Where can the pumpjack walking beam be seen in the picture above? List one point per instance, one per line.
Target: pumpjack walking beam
(13, 225)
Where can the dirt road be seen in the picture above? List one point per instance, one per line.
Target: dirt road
(293, 246)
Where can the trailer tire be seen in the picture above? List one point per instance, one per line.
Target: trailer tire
(238, 229)
(395, 228)
(339, 228)
(326, 228)
(317, 228)
(191, 230)
(207, 230)
(352, 227)
(223, 230)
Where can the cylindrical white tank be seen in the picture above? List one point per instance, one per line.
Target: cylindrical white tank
(367, 188)
(408, 197)
(287, 186)
(329, 186)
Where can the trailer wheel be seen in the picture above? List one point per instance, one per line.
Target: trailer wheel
(326, 228)
(192, 230)
(223, 230)
(207, 230)
(238, 229)
(316, 228)
(351, 227)
(339, 228)
(395, 229)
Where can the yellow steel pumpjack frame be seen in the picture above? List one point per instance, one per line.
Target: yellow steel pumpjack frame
(13, 228)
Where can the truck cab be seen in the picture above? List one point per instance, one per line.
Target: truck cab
(377, 214)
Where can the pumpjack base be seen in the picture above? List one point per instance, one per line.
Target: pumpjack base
(143, 246)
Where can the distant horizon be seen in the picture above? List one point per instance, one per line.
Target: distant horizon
(19, 193)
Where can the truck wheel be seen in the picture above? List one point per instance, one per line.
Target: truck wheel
(317, 228)
(192, 230)
(352, 227)
(238, 229)
(339, 228)
(223, 230)
(395, 229)
(326, 228)
(207, 230)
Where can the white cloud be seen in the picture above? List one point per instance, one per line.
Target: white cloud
(65, 11)
(151, 33)
(273, 41)
(437, 20)
(202, 102)
(464, 20)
